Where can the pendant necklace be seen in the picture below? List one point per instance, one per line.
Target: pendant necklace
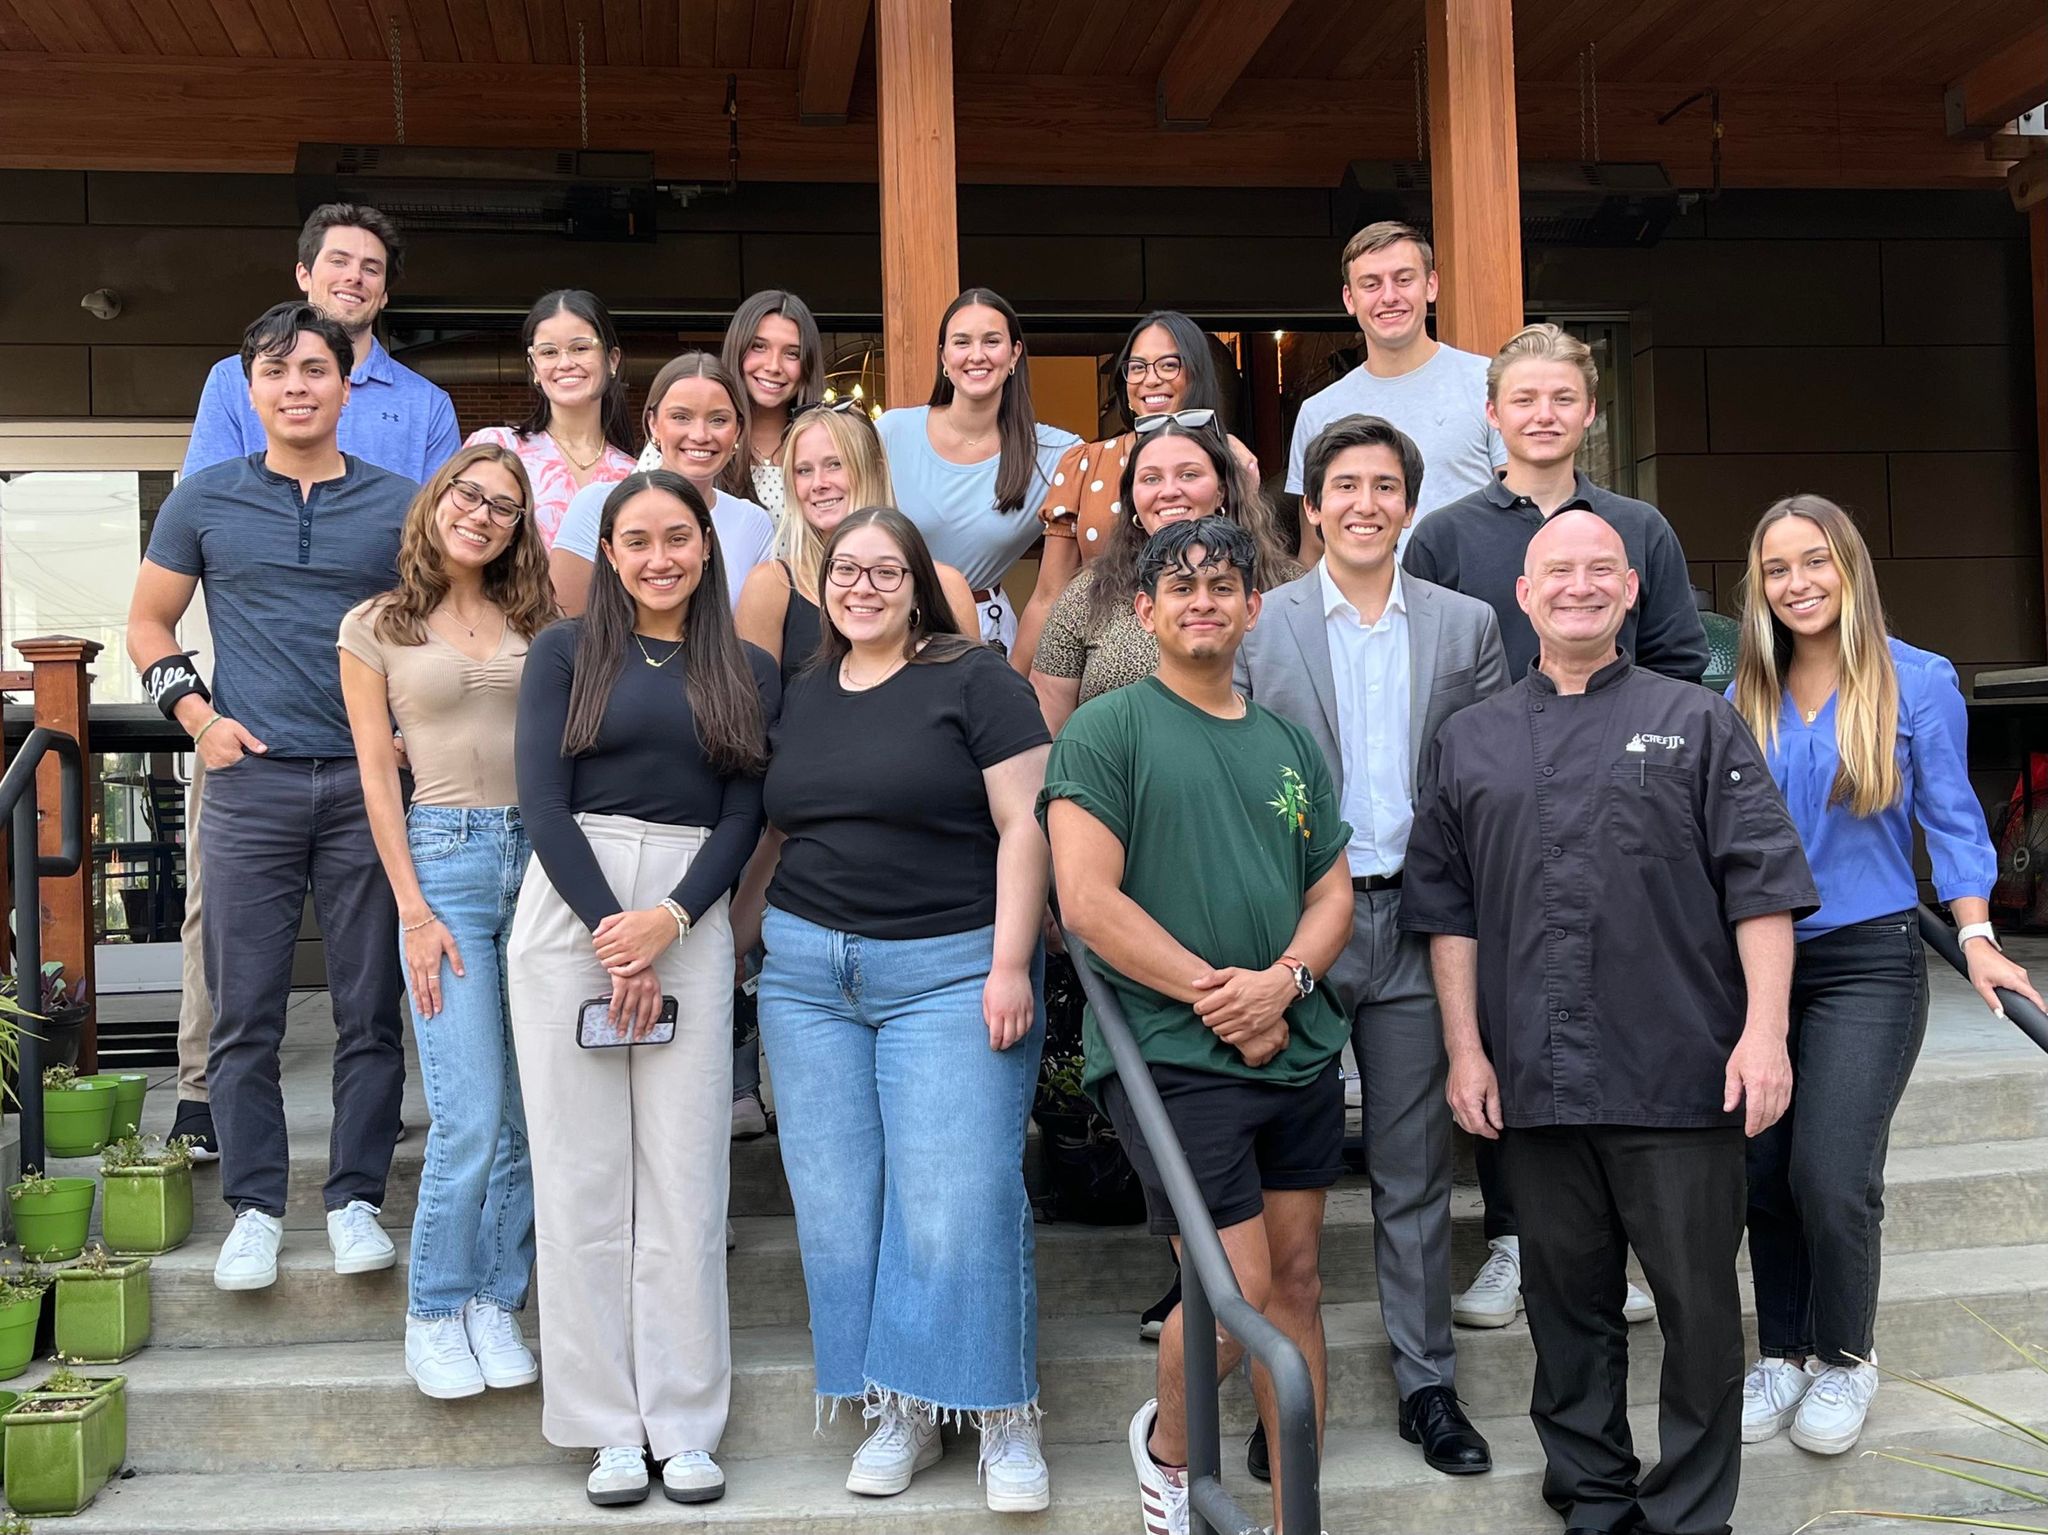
(650, 659)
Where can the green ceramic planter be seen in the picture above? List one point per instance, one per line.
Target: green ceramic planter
(18, 1335)
(77, 1119)
(52, 1225)
(56, 1462)
(129, 1090)
(146, 1209)
(103, 1317)
(109, 1430)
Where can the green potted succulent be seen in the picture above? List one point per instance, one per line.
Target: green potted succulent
(148, 1203)
(57, 1019)
(102, 1307)
(21, 1312)
(1088, 1178)
(51, 1215)
(78, 1112)
(111, 1426)
(130, 1088)
(62, 1441)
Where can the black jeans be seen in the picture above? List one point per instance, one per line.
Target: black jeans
(272, 828)
(1587, 1194)
(1816, 1177)
(1497, 1214)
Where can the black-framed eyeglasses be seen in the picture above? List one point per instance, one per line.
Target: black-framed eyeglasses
(469, 496)
(1193, 420)
(883, 578)
(1168, 368)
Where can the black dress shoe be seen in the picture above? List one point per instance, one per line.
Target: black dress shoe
(1433, 1419)
(1256, 1460)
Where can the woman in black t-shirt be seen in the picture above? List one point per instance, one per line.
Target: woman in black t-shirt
(900, 1008)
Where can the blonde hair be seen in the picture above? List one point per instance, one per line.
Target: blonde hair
(1867, 688)
(797, 543)
(1377, 237)
(1542, 342)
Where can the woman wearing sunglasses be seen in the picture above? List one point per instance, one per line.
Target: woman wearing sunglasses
(442, 654)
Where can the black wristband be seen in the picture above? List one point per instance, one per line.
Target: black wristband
(170, 679)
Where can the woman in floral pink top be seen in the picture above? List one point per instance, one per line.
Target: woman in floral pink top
(579, 432)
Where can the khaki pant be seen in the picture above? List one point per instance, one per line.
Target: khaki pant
(195, 1006)
(631, 1164)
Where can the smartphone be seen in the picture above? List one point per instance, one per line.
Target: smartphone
(596, 1029)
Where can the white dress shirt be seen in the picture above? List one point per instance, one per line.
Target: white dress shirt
(1369, 663)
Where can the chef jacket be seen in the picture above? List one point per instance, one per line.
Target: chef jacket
(1600, 847)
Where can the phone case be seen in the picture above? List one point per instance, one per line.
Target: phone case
(595, 1029)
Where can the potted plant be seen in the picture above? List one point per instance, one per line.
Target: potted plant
(1087, 1176)
(51, 1215)
(59, 1443)
(112, 1426)
(130, 1087)
(56, 1019)
(21, 1312)
(102, 1307)
(78, 1112)
(148, 1204)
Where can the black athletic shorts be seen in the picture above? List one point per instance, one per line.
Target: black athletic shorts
(1240, 1137)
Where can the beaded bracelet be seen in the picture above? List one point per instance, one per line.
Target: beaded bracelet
(428, 921)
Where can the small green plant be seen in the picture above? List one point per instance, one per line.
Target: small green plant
(21, 1282)
(1059, 1082)
(60, 1079)
(14, 1524)
(64, 1381)
(96, 1259)
(146, 1151)
(32, 1186)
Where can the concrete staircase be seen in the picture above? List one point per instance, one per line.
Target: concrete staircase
(288, 1412)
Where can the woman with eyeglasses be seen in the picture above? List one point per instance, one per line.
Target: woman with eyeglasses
(442, 655)
(901, 1014)
(972, 464)
(578, 432)
(697, 421)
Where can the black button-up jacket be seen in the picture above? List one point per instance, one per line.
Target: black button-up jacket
(1600, 847)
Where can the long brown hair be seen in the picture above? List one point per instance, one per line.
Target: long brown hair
(735, 479)
(931, 616)
(853, 434)
(724, 699)
(1016, 422)
(517, 580)
(745, 325)
(1868, 779)
(589, 308)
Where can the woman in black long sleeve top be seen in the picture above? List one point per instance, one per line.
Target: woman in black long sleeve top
(640, 747)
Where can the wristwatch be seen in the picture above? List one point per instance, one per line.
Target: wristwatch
(1304, 983)
(1971, 930)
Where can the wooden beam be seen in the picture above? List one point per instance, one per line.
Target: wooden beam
(63, 689)
(831, 51)
(2003, 86)
(919, 186)
(1475, 176)
(1209, 55)
(2037, 261)
(2027, 181)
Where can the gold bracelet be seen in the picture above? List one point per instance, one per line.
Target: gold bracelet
(211, 721)
(428, 921)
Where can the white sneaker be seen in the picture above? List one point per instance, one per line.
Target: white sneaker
(618, 1474)
(1012, 1463)
(692, 1476)
(248, 1258)
(749, 1119)
(1163, 1494)
(360, 1245)
(1636, 1306)
(502, 1357)
(1495, 1295)
(903, 1444)
(438, 1358)
(1830, 1419)
(1771, 1394)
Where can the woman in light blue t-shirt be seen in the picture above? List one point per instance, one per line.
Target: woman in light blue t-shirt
(972, 467)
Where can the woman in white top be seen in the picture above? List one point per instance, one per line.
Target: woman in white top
(972, 467)
(697, 417)
(773, 347)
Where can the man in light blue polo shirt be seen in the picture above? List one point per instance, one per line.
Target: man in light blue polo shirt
(349, 256)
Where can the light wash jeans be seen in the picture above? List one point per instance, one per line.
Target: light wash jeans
(473, 1233)
(903, 1138)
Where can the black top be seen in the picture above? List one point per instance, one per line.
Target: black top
(1601, 847)
(1478, 544)
(648, 764)
(799, 631)
(881, 796)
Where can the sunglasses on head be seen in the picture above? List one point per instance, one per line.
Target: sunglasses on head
(1191, 419)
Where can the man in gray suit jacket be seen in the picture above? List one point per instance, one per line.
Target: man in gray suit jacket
(1371, 662)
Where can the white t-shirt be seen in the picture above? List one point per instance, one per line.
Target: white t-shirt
(746, 534)
(954, 505)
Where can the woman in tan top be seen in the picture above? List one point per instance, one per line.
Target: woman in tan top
(442, 655)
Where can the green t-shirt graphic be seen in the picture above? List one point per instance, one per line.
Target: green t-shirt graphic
(1225, 824)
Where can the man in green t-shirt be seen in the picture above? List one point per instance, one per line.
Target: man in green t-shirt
(1199, 852)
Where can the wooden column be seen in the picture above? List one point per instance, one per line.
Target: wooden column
(920, 200)
(2037, 253)
(1475, 184)
(63, 691)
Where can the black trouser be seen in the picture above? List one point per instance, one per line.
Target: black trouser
(1816, 1177)
(273, 827)
(1496, 1199)
(1587, 1195)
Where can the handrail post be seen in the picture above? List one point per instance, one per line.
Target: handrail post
(1201, 1390)
(63, 690)
(28, 971)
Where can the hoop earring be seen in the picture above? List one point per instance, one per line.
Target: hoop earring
(916, 616)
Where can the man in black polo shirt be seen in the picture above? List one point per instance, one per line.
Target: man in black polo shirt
(285, 542)
(1609, 879)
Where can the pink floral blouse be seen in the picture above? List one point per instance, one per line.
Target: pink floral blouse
(554, 482)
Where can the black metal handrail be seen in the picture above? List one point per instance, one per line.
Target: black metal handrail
(1941, 938)
(18, 799)
(1209, 1294)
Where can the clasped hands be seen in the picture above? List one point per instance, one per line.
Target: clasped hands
(1247, 1009)
(627, 944)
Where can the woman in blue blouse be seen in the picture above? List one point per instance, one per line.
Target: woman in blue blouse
(1865, 735)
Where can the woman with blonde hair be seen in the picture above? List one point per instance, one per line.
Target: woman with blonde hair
(442, 655)
(1865, 735)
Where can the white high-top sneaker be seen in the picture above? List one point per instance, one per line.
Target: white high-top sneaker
(501, 1354)
(1830, 1419)
(438, 1358)
(1013, 1464)
(903, 1444)
(1494, 1297)
(1771, 1394)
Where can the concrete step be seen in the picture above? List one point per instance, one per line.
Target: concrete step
(1372, 1485)
(350, 1406)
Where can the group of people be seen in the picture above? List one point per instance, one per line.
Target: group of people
(1427, 773)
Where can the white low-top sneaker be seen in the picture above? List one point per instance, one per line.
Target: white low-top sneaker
(1494, 1297)
(1162, 1494)
(248, 1258)
(1012, 1463)
(360, 1245)
(692, 1476)
(903, 1444)
(618, 1475)
(502, 1357)
(1830, 1418)
(1636, 1306)
(438, 1358)
(1771, 1394)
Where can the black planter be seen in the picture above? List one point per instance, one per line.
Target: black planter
(60, 1037)
(1088, 1179)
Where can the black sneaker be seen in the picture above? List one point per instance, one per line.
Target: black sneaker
(195, 1122)
(1256, 1461)
(1152, 1321)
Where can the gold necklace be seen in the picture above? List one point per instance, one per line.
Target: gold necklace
(455, 616)
(650, 659)
(582, 466)
(846, 674)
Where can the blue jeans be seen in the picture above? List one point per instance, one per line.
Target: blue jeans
(903, 1138)
(473, 1233)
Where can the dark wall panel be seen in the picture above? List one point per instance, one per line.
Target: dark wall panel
(149, 380)
(42, 197)
(45, 381)
(1948, 504)
(1867, 399)
(1714, 500)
